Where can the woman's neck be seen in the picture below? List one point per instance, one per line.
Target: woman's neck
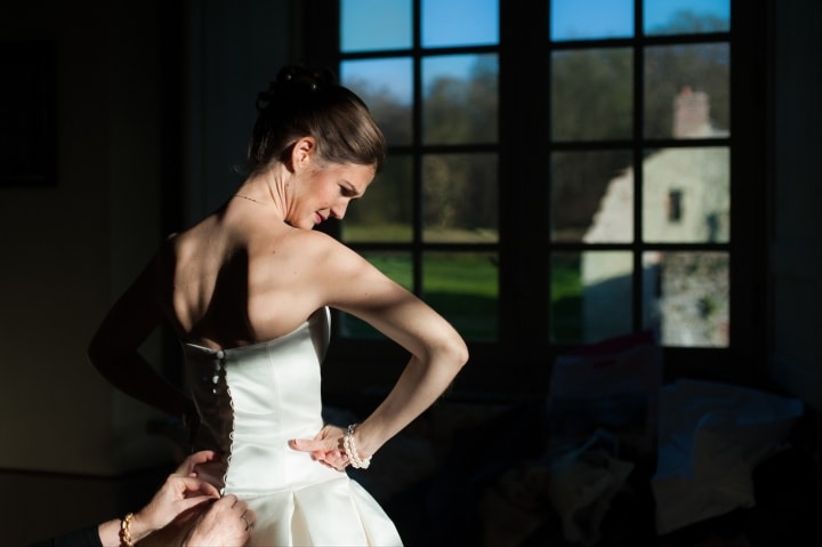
(269, 189)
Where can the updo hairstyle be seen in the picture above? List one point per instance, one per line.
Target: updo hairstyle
(302, 103)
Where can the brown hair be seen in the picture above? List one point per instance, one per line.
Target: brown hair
(303, 103)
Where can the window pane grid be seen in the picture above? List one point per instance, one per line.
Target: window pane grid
(674, 201)
(719, 37)
(675, 198)
(447, 237)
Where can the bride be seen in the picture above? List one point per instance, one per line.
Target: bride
(247, 290)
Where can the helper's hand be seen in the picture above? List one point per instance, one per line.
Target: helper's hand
(178, 494)
(227, 523)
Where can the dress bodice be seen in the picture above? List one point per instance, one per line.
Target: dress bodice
(252, 400)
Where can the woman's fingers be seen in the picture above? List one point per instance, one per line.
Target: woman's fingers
(324, 447)
(328, 438)
(311, 445)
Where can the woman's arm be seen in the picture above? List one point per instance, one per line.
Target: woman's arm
(438, 352)
(114, 348)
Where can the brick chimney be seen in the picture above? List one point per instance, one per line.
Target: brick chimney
(691, 114)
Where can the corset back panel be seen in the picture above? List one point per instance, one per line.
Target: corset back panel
(252, 400)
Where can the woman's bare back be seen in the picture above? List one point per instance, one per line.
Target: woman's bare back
(240, 277)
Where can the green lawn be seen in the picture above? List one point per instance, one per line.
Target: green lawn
(460, 286)
(364, 233)
(566, 299)
(463, 287)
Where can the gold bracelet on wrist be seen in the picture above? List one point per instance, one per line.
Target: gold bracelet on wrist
(125, 532)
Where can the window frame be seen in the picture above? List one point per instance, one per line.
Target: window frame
(518, 365)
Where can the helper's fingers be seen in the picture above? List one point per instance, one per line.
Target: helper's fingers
(250, 517)
(196, 458)
(188, 503)
(193, 484)
(241, 507)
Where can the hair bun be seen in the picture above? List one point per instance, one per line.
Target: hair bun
(302, 77)
(294, 82)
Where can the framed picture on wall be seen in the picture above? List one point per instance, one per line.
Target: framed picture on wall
(28, 113)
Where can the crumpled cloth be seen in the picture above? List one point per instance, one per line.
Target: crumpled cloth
(582, 484)
(711, 436)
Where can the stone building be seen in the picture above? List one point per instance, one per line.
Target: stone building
(686, 199)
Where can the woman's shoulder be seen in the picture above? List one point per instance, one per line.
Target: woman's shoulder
(314, 241)
(314, 253)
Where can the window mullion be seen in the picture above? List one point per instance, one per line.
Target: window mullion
(638, 130)
(524, 117)
(416, 144)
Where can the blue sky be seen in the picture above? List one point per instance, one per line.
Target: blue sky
(582, 19)
(444, 23)
(474, 22)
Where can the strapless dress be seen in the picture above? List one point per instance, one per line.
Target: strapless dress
(252, 400)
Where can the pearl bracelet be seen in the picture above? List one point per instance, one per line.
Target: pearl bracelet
(350, 446)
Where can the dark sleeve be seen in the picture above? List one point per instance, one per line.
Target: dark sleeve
(85, 537)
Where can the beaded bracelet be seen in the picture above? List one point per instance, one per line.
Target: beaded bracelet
(125, 533)
(350, 446)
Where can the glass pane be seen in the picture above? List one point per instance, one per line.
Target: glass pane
(386, 87)
(592, 19)
(592, 196)
(459, 22)
(399, 267)
(686, 16)
(375, 24)
(463, 288)
(686, 195)
(590, 296)
(460, 198)
(685, 297)
(686, 91)
(591, 94)
(385, 213)
(460, 99)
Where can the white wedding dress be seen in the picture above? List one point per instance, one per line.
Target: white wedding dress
(252, 400)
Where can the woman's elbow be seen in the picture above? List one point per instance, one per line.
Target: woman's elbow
(457, 352)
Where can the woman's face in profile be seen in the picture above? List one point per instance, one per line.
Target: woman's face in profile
(324, 190)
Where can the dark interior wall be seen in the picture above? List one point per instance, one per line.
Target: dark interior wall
(70, 248)
(235, 49)
(796, 237)
(68, 251)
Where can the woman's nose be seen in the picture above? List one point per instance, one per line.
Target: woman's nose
(339, 210)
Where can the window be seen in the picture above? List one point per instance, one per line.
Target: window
(561, 171)
(640, 119)
(429, 73)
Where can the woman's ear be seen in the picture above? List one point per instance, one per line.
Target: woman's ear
(302, 153)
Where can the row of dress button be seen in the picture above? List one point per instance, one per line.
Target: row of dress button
(219, 368)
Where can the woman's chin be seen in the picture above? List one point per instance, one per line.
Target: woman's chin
(308, 225)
